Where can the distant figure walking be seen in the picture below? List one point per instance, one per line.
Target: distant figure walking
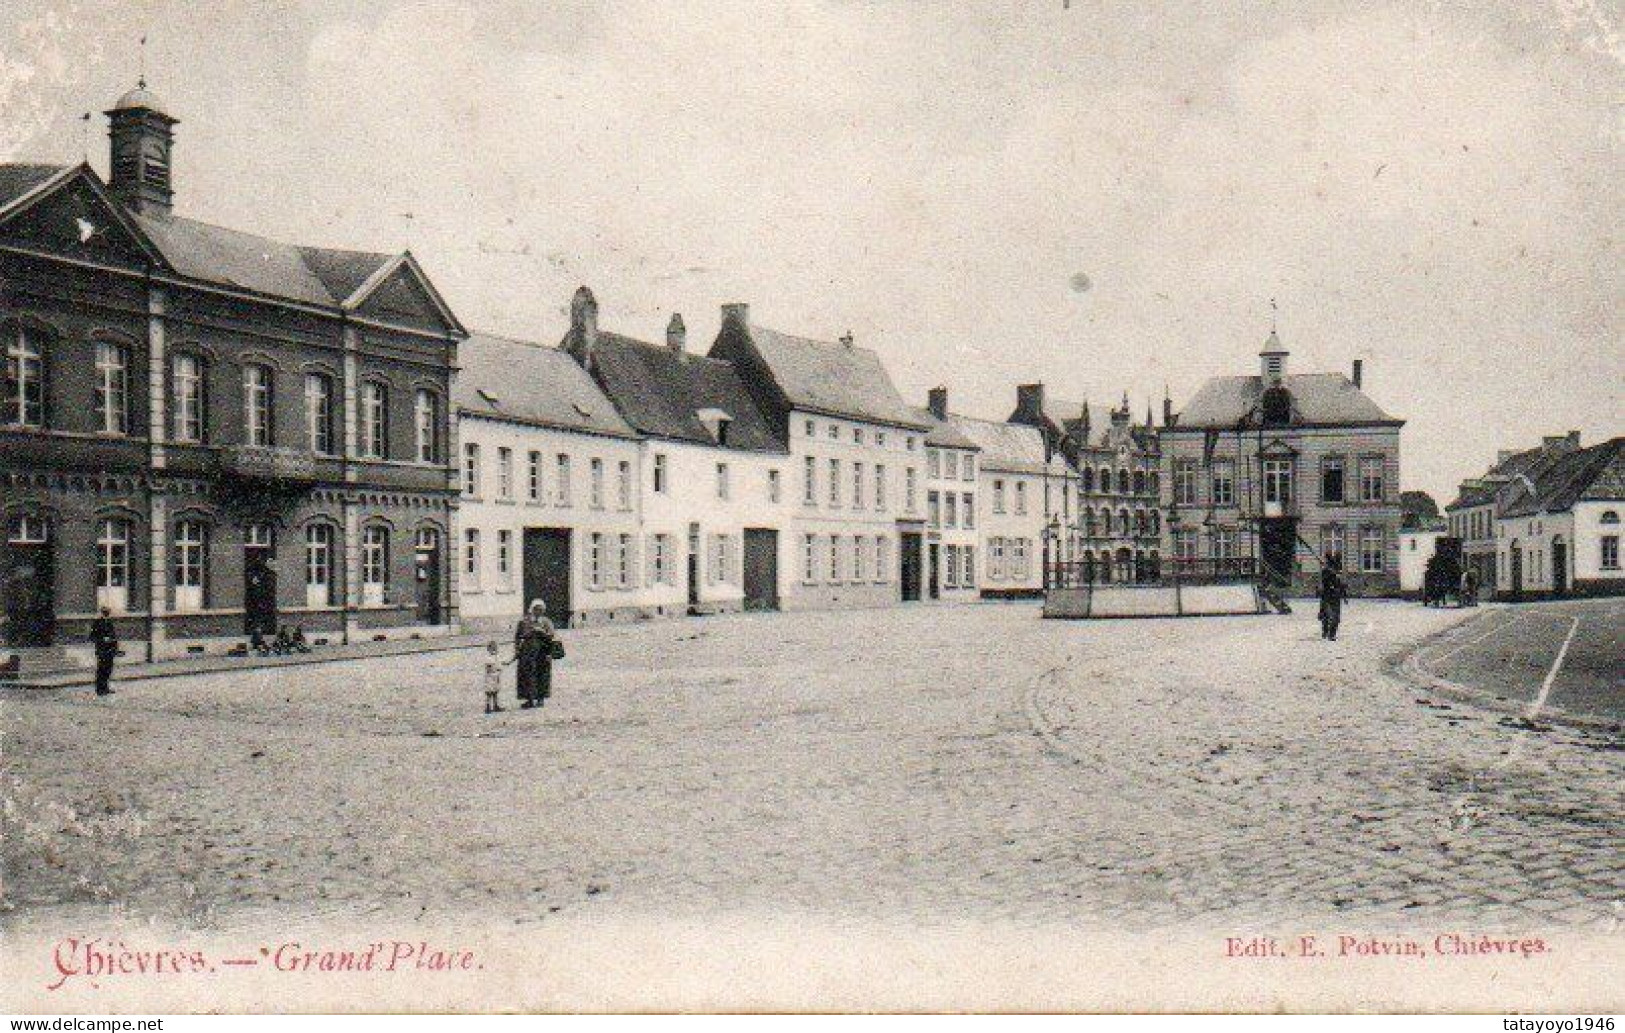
(1332, 591)
(535, 645)
(1469, 587)
(104, 637)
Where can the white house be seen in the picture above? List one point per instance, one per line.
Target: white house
(952, 498)
(1015, 474)
(1558, 532)
(550, 502)
(715, 476)
(855, 492)
(1416, 546)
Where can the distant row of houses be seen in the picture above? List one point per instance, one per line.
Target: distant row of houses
(1546, 520)
(212, 433)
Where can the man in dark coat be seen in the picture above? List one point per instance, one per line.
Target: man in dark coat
(533, 653)
(104, 636)
(1332, 591)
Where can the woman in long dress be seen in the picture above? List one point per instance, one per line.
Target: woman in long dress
(533, 649)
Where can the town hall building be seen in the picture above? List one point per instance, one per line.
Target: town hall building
(207, 432)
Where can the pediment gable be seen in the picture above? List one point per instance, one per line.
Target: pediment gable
(76, 219)
(402, 295)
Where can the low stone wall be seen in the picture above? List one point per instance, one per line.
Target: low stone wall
(1162, 600)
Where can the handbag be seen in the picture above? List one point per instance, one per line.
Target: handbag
(555, 649)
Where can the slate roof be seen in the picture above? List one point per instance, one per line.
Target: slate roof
(233, 258)
(944, 434)
(1011, 447)
(1591, 474)
(1318, 399)
(661, 391)
(834, 379)
(505, 379)
(1527, 463)
(18, 179)
(1068, 416)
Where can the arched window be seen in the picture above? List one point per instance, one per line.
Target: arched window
(1088, 479)
(191, 560)
(375, 420)
(319, 413)
(1105, 480)
(1609, 517)
(258, 425)
(113, 564)
(319, 564)
(25, 377)
(1088, 522)
(112, 388)
(1156, 522)
(186, 383)
(1122, 482)
(428, 426)
(374, 564)
(1139, 482)
(1124, 527)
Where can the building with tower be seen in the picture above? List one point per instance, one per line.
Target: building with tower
(1266, 475)
(209, 432)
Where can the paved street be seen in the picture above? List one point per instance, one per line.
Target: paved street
(1510, 655)
(919, 764)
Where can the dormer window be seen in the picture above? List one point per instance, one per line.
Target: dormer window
(717, 423)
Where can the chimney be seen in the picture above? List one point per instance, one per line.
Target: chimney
(584, 325)
(1273, 361)
(736, 312)
(937, 402)
(846, 340)
(141, 137)
(1359, 371)
(676, 332)
(1574, 438)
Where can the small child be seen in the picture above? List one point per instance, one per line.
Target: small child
(493, 676)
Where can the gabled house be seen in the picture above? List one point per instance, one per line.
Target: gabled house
(714, 480)
(550, 506)
(856, 452)
(1558, 530)
(209, 432)
(1480, 501)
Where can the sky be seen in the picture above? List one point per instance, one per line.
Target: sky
(1103, 196)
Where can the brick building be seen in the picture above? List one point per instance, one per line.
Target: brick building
(209, 431)
(1279, 469)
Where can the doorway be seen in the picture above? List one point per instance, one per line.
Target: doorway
(909, 566)
(1560, 567)
(933, 579)
(693, 566)
(547, 570)
(259, 580)
(1277, 545)
(428, 575)
(30, 583)
(1517, 571)
(761, 569)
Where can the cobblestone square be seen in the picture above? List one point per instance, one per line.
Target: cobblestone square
(916, 765)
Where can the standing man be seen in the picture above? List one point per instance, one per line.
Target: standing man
(1332, 591)
(104, 636)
